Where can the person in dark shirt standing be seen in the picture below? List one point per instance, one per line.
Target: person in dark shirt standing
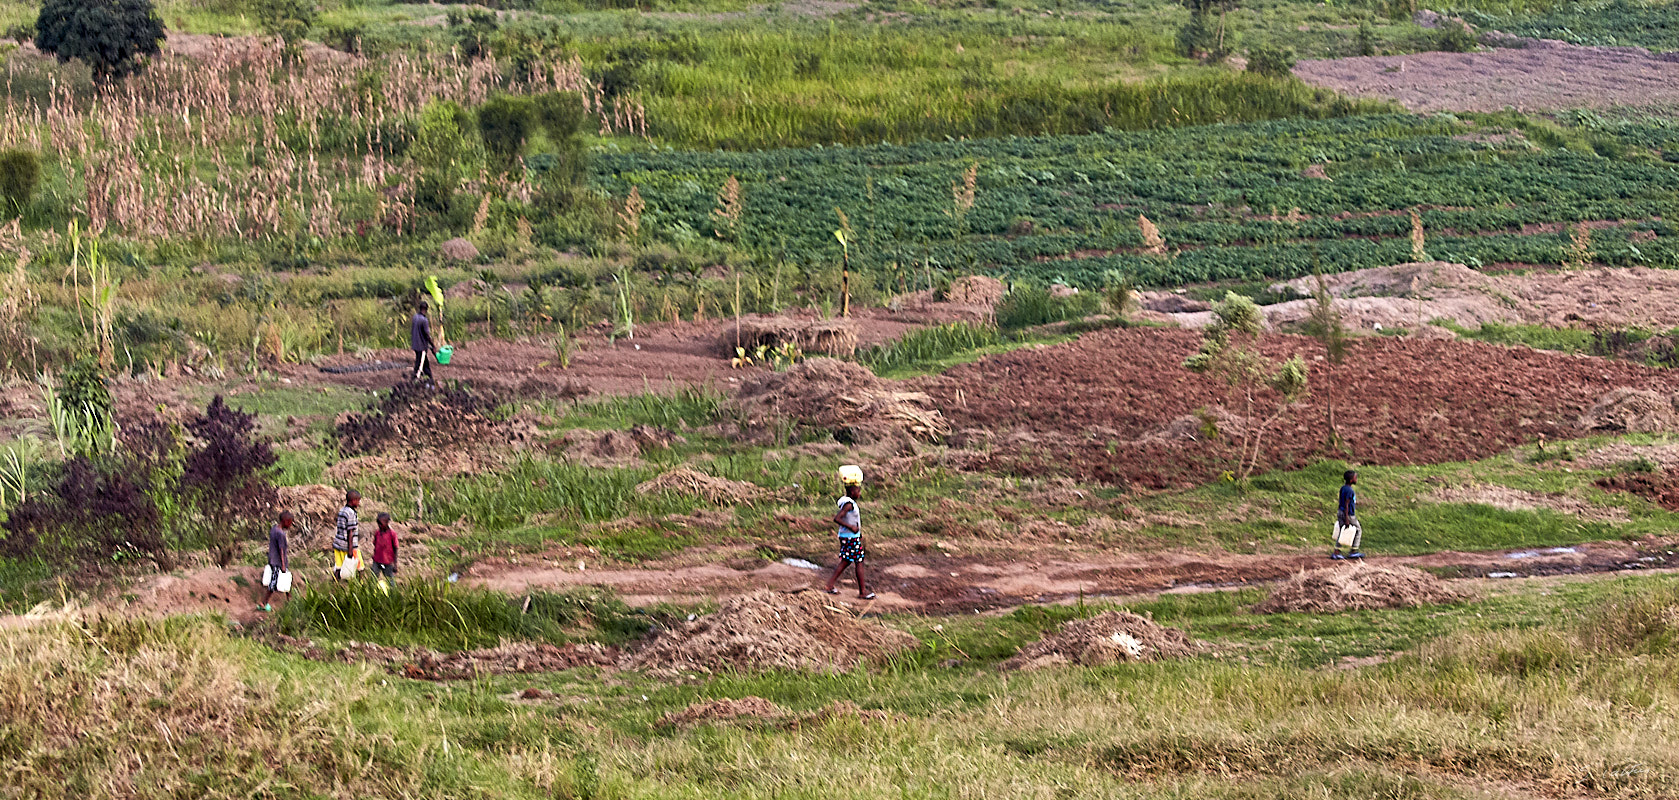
(1348, 532)
(419, 340)
(279, 557)
(384, 550)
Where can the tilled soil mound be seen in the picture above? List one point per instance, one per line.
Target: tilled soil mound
(1661, 488)
(834, 337)
(1118, 406)
(1359, 587)
(839, 396)
(722, 710)
(693, 483)
(769, 630)
(417, 416)
(422, 663)
(1107, 638)
(1632, 410)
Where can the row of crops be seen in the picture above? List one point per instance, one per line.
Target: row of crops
(1253, 201)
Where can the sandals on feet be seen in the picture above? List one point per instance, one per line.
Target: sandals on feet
(869, 596)
(831, 591)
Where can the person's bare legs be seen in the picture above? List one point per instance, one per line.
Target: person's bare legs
(838, 571)
(862, 587)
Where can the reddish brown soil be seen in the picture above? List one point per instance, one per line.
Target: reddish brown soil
(1661, 488)
(1087, 408)
(661, 356)
(934, 583)
(1543, 75)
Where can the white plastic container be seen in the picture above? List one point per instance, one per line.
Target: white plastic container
(267, 576)
(284, 584)
(348, 569)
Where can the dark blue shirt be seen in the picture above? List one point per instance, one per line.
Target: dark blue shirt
(1349, 501)
(419, 333)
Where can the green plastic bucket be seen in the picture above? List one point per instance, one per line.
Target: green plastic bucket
(445, 353)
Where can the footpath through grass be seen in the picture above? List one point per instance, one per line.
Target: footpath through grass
(1559, 686)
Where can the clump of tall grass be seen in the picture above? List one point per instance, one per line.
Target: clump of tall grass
(926, 345)
(1026, 306)
(443, 615)
(682, 406)
(552, 489)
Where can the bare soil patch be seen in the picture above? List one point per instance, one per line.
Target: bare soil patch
(1544, 75)
(1358, 587)
(1632, 411)
(770, 630)
(1107, 638)
(1664, 456)
(1093, 408)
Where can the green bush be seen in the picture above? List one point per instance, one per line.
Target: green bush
(1455, 37)
(20, 175)
(1026, 306)
(925, 345)
(290, 20)
(113, 37)
(1272, 62)
(505, 122)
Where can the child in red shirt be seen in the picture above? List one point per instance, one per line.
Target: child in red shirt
(384, 549)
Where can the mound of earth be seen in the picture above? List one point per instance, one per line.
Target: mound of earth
(1633, 411)
(1518, 500)
(832, 337)
(693, 483)
(1359, 587)
(601, 448)
(1661, 488)
(1107, 638)
(416, 416)
(769, 630)
(976, 290)
(839, 396)
(722, 710)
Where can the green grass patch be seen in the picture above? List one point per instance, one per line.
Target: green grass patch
(682, 406)
(1538, 337)
(439, 614)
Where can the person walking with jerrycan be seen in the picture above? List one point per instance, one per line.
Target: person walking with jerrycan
(384, 553)
(850, 522)
(346, 541)
(419, 340)
(279, 560)
(1348, 533)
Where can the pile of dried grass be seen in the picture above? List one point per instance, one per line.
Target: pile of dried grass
(415, 417)
(1632, 410)
(976, 290)
(835, 337)
(838, 395)
(769, 630)
(693, 483)
(1359, 587)
(1107, 638)
(721, 710)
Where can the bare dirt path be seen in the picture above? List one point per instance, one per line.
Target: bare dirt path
(1545, 75)
(935, 583)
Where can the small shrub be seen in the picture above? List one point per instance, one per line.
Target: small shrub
(1026, 306)
(926, 345)
(288, 20)
(1272, 62)
(20, 175)
(226, 478)
(505, 121)
(1455, 37)
(1366, 39)
(113, 37)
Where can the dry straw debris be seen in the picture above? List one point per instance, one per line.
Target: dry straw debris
(835, 337)
(1632, 410)
(1360, 587)
(826, 393)
(769, 630)
(723, 710)
(693, 483)
(1107, 638)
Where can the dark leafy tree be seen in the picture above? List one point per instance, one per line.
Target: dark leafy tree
(505, 122)
(289, 21)
(113, 37)
(97, 513)
(226, 478)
